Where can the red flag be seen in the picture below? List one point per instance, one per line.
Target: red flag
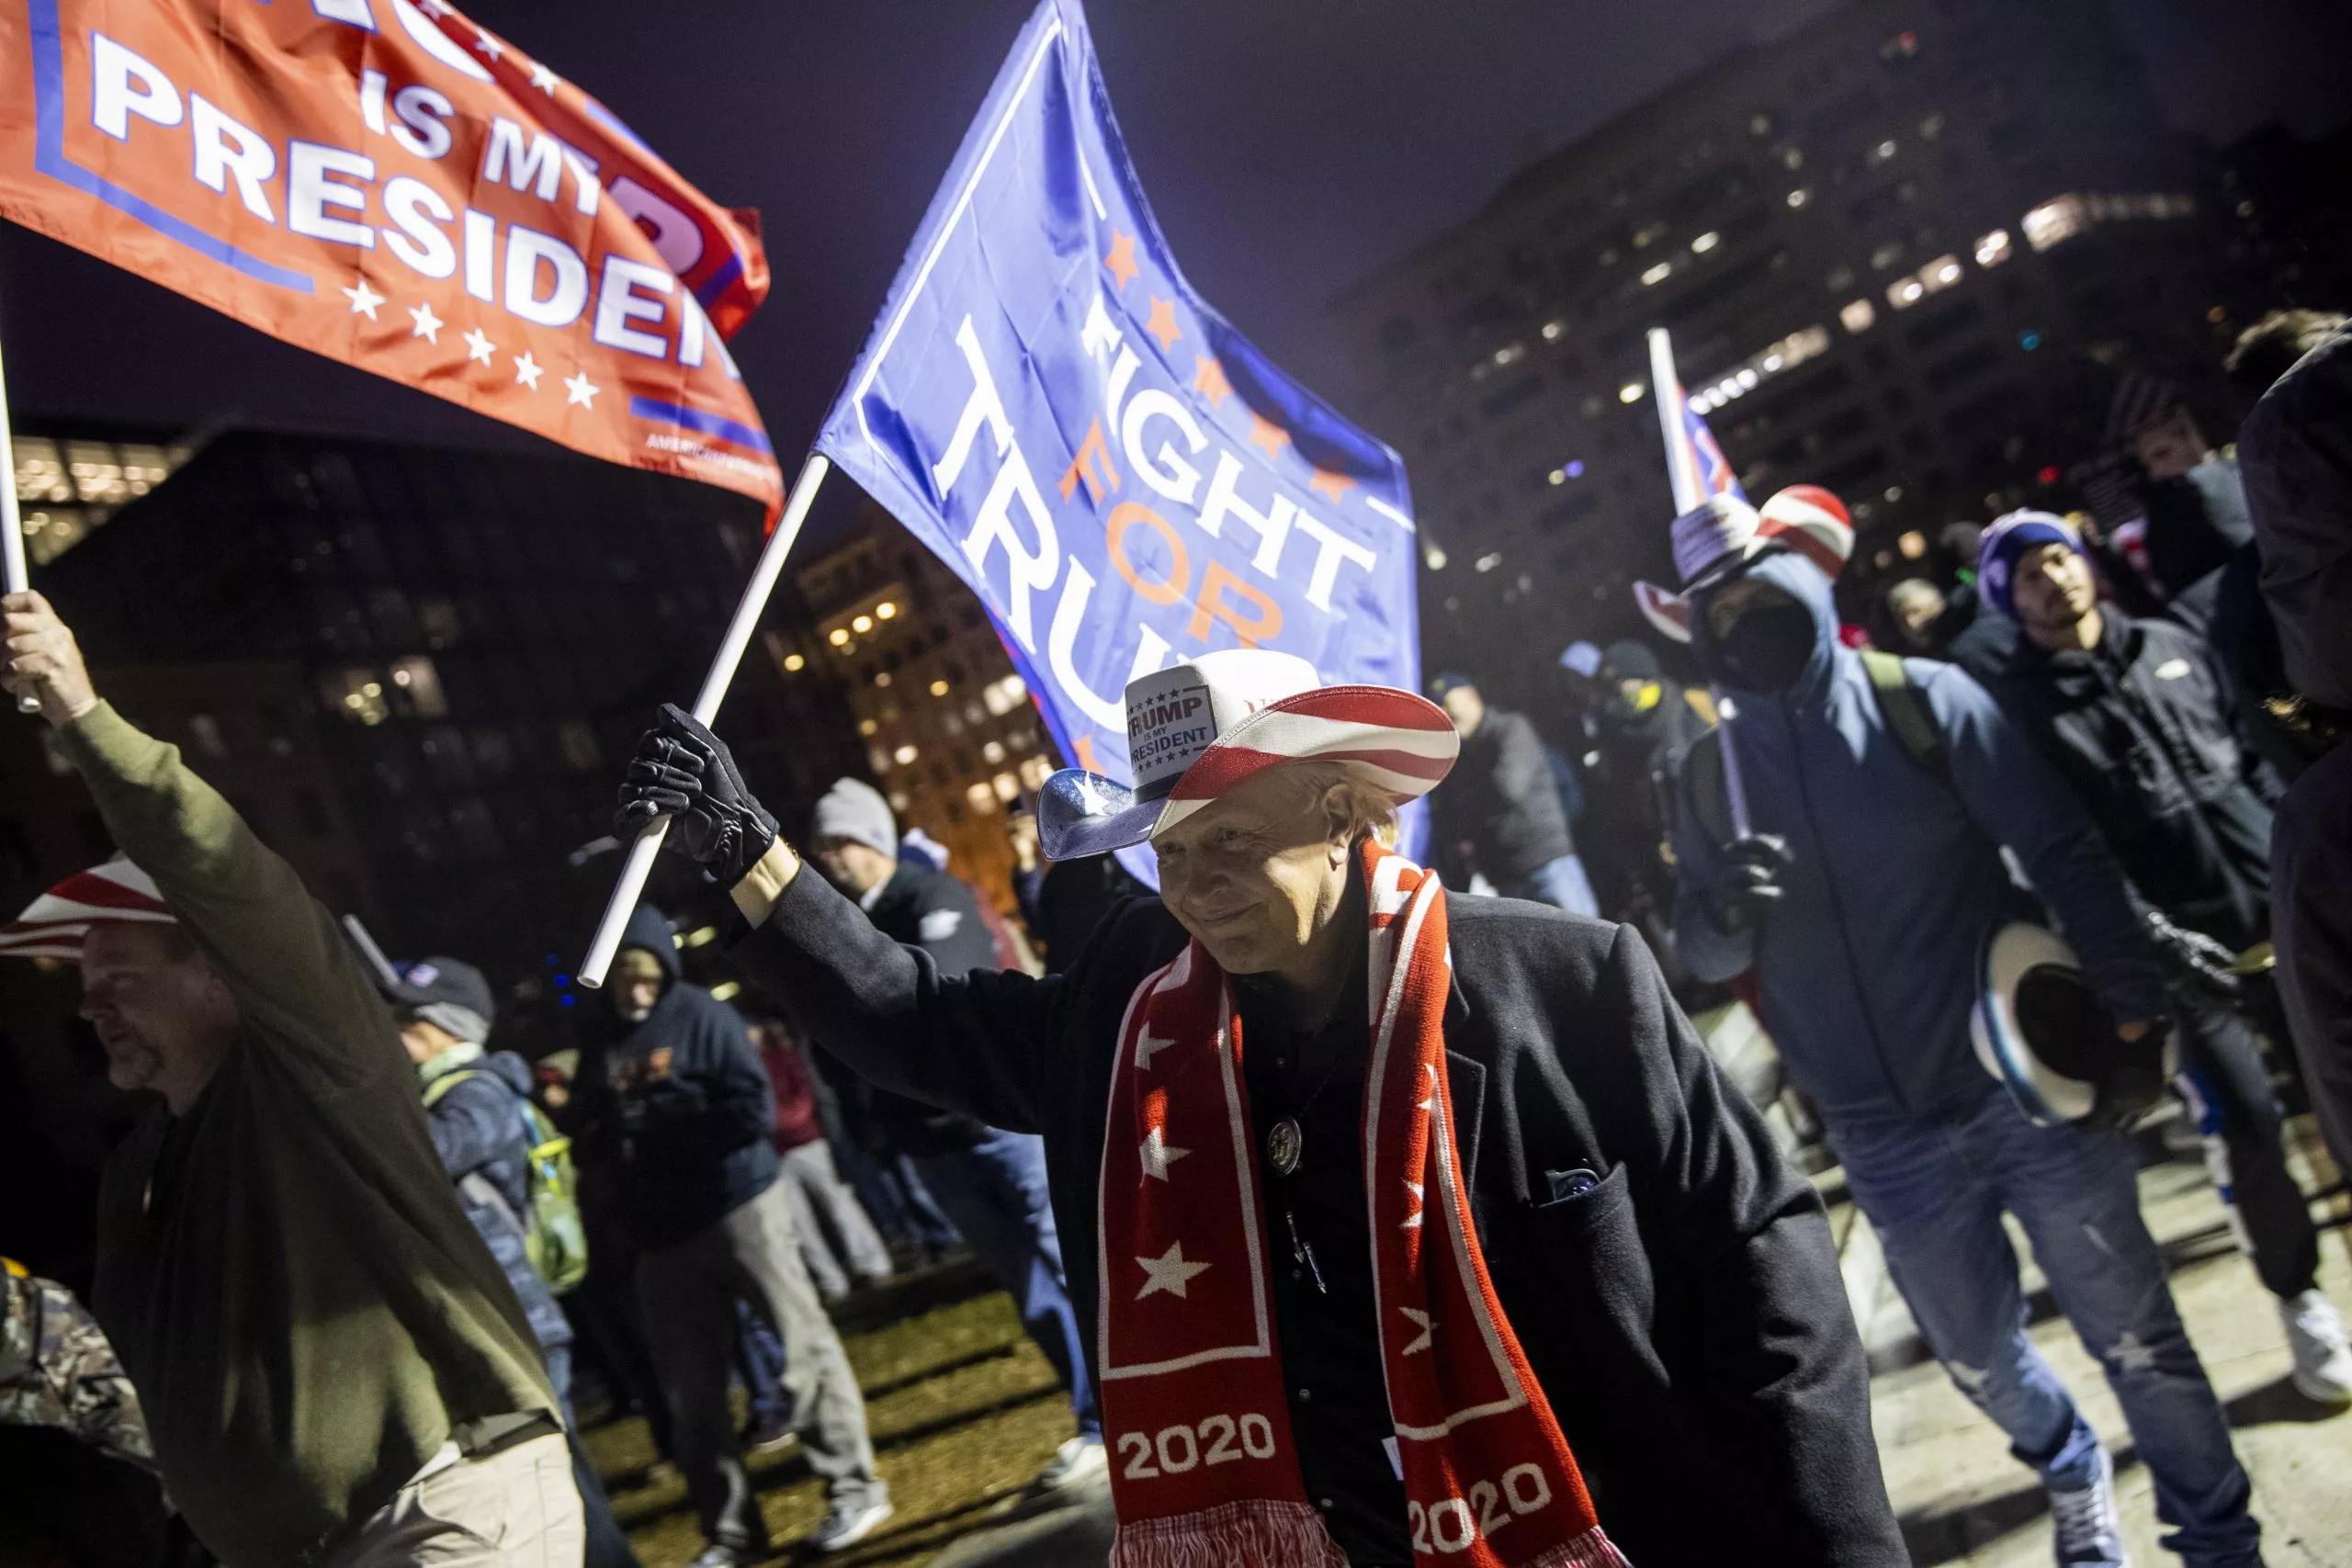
(387, 183)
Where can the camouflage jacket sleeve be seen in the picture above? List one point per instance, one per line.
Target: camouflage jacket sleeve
(57, 1369)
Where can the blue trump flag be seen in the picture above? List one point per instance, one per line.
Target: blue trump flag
(1118, 474)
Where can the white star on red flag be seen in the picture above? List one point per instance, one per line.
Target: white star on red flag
(527, 371)
(428, 325)
(1167, 1272)
(364, 300)
(487, 44)
(580, 390)
(543, 80)
(477, 344)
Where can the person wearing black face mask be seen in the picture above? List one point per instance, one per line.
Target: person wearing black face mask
(1869, 875)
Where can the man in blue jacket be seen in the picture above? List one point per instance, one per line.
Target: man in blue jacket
(682, 1108)
(1860, 899)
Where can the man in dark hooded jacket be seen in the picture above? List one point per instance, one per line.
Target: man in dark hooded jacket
(683, 1111)
(1862, 898)
(2139, 717)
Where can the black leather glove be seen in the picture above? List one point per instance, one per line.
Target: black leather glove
(1750, 883)
(683, 772)
(2137, 1080)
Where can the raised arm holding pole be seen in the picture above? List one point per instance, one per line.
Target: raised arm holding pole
(12, 525)
(639, 864)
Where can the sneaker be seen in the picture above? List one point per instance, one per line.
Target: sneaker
(768, 1438)
(2322, 1361)
(2088, 1533)
(720, 1555)
(1075, 1464)
(849, 1521)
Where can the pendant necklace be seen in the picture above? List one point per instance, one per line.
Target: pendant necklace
(1286, 1150)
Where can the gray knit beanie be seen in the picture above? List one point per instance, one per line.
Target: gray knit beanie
(856, 811)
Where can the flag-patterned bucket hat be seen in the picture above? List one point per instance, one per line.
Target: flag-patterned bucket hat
(53, 925)
(1199, 729)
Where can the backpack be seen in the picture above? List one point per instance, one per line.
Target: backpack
(1900, 704)
(554, 1238)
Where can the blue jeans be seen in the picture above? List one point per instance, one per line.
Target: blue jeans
(996, 1194)
(1559, 883)
(1935, 1190)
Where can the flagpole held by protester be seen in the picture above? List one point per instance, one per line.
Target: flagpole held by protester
(1690, 491)
(639, 864)
(12, 525)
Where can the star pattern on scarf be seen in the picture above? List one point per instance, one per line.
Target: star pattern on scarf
(1149, 1046)
(1413, 1219)
(1169, 1272)
(1430, 1103)
(1158, 1156)
(1426, 1323)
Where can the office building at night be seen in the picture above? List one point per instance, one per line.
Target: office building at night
(950, 734)
(1904, 253)
(477, 638)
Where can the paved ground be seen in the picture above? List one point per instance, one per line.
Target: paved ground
(964, 1411)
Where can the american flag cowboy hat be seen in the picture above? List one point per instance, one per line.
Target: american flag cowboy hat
(53, 925)
(1197, 731)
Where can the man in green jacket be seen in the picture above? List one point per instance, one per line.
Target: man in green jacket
(333, 1369)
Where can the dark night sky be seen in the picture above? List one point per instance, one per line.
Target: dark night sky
(1289, 147)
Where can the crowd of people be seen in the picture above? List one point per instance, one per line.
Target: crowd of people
(1364, 1212)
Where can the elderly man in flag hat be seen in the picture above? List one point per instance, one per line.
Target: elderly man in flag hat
(1404, 1227)
(333, 1366)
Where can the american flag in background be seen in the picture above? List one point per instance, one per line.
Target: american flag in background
(1694, 463)
(1715, 477)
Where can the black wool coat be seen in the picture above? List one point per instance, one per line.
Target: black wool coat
(1686, 1319)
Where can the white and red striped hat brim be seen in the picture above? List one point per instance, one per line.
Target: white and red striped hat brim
(1399, 743)
(1813, 522)
(53, 925)
(1668, 613)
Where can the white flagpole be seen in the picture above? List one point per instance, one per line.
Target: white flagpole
(1682, 471)
(12, 523)
(639, 864)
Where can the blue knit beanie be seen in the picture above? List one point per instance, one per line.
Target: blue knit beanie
(2010, 538)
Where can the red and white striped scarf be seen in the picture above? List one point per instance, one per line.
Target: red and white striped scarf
(1203, 1470)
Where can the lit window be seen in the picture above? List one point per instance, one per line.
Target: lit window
(1488, 562)
(1748, 380)
(1792, 159)
(1931, 127)
(2055, 221)
(939, 688)
(1007, 786)
(1036, 770)
(1573, 469)
(885, 610)
(1882, 151)
(1559, 476)
(866, 727)
(1630, 392)
(1511, 353)
(1859, 315)
(1760, 125)
(1553, 330)
(1705, 242)
(837, 636)
(1905, 292)
(416, 676)
(1434, 558)
(1657, 274)
(1894, 494)
(1940, 273)
(794, 663)
(880, 760)
(861, 625)
(1886, 255)
(899, 798)
(1913, 545)
(882, 678)
(992, 752)
(1992, 248)
(903, 755)
(1800, 196)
